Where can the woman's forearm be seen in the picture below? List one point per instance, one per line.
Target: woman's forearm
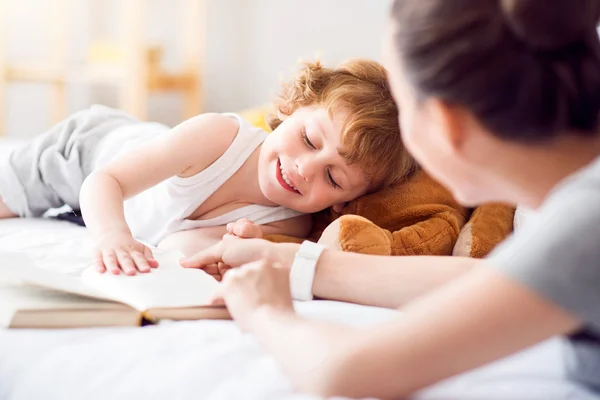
(101, 201)
(474, 320)
(384, 281)
(378, 280)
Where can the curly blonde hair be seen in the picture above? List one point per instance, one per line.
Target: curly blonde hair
(371, 134)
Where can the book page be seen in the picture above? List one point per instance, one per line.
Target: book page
(18, 268)
(168, 286)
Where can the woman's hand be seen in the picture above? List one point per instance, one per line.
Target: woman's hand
(121, 252)
(245, 229)
(260, 286)
(234, 252)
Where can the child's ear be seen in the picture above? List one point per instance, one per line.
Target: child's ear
(339, 207)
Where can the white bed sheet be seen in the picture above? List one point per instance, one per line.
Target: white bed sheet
(205, 359)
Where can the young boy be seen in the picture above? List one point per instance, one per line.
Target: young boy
(335, 138)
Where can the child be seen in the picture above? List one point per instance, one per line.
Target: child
(335, 138)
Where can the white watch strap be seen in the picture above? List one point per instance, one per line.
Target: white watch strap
(303, 269)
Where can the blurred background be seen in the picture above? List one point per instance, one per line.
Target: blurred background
(164, 60)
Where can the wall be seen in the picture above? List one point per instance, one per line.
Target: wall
(250, 47)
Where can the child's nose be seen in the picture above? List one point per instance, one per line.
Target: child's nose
(306, 168)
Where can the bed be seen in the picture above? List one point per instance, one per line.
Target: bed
(206, 359)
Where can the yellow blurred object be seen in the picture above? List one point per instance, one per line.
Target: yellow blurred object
(104, 51)
(257, 116)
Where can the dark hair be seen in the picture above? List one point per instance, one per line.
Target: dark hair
(528, 70)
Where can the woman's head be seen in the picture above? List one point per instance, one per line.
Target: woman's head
(478, 78)
(335, 137)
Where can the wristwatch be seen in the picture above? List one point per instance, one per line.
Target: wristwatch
(302, 272)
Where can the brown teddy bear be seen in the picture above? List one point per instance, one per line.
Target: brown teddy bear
(414, 217)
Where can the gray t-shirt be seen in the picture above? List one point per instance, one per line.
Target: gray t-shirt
(557, 254)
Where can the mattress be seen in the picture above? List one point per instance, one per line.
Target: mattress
(207, 359)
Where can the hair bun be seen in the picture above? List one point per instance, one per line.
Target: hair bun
(551, 25)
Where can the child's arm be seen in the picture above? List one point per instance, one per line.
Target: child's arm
(476, 319)
(297, 227)
(194, 240)
(189, 148)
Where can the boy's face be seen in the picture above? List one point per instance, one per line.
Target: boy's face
(300, 167)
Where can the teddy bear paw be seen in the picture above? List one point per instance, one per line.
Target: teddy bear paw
(356, 234)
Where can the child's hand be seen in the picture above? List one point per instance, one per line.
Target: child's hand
(121, 252)
(245, 229)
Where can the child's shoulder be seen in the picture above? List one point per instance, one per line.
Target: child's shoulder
(205, 138)
(210, 124)
(214, 130)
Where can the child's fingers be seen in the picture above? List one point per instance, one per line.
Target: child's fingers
(99, 263)
(237, 227)
(152, 262)
(241, 230)
(140, 261)
(110, 261)
(228, 235)
(126, 263)
(245, 229)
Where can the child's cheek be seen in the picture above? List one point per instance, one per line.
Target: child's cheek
(288, 142)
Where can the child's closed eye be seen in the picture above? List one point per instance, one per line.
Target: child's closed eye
(307, 140)
(332, 181)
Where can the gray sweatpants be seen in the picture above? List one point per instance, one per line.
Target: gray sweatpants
(48, 171)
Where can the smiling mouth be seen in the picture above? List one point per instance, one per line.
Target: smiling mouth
(284, 180)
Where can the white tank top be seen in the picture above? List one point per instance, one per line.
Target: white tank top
(161, 210)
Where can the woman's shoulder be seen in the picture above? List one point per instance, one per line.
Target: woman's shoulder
(557, 251)
(573, 206)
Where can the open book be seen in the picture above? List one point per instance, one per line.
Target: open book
(33, 297)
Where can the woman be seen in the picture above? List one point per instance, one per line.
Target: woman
(500, 101)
